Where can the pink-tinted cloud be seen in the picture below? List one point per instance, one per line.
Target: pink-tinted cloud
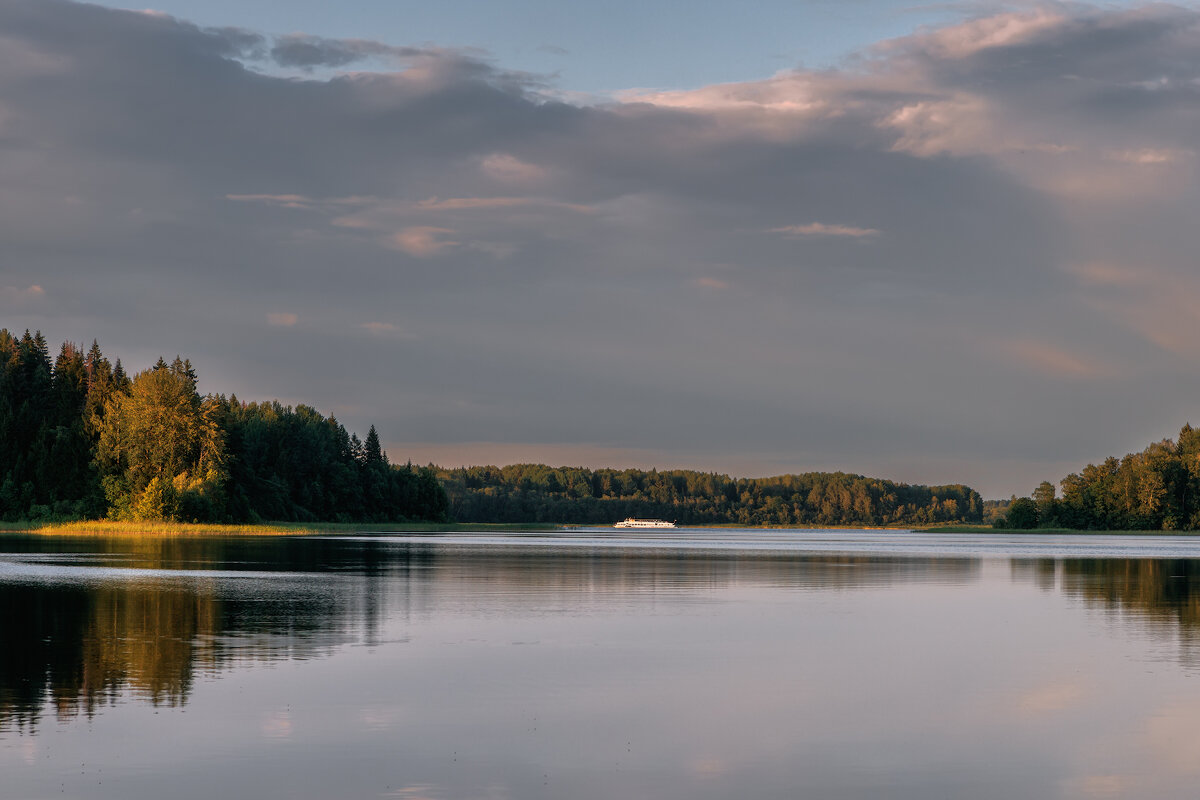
(422, 241)
(1161, 306)
(823, 229)
(509, 168)
(299, 200)
(975, 36)
(385, 329)
(1152, 156)
(1052, 361)
(472, 203)
(289, 200)
(19, 296)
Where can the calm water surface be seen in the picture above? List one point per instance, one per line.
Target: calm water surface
(597, 664)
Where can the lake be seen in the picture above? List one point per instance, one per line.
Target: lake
(601, 664)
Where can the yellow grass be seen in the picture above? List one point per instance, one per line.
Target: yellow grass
(106, 527)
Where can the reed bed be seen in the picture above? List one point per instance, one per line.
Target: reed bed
(106, 527)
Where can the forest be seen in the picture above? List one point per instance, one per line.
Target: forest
(564, 495)
(81, 439)
(1156, 489)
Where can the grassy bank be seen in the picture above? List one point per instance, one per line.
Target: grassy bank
(1053, 531)
(113, 528)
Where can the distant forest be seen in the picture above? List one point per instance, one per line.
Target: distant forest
(1156, 489)
(538, 493)
(79, 438)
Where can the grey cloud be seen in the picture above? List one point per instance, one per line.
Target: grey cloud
(307, 52)
(607, 274)
(239, 43)
(1090, 64)
(1114, 48)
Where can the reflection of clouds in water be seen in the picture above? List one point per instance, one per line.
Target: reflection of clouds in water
(1154, 755)
(1172, 736)
(421, 792)
(379, 718)
(1098, 786)
(708, 767)
(1051, 697)
(278, 725)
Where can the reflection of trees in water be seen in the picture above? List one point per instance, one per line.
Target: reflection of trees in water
(144, 636)
(77, 645)
(1041, 572)
(532, 571)
(80, 648)
(1163, 594)
(1162, 589)
(42, 648)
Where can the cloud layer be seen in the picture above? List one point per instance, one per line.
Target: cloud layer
(967, 255)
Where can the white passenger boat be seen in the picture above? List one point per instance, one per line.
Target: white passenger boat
(632, 522)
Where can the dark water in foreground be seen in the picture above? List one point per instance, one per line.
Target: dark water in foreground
(688, 664)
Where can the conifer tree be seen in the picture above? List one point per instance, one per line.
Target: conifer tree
(80, 438)
(373, 453)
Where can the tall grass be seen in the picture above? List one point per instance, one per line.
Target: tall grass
(106, 527)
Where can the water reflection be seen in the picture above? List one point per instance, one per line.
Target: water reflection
(1161, 589)
(1156, 590)
(85, 622)
(456, 668)
(90, 621)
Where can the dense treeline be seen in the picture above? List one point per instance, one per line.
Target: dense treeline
(79, 438)
(538, 493)
(1156, 489)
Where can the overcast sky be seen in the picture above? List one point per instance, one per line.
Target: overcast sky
(943, 245)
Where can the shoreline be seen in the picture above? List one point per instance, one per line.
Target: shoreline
(168, 529)
(165, 529)
(987, 529)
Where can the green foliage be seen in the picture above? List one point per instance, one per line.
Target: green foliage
(1156, 489)
(45, 452)
(538, 493)
(1047, 505)
(157, 440)
(80, 439)
(1022, 514)
(157, 501)
(296, 465)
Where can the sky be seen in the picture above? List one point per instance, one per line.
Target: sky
(941, 244)
(599, 47)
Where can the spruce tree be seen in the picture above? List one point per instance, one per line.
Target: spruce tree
(372, 451)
